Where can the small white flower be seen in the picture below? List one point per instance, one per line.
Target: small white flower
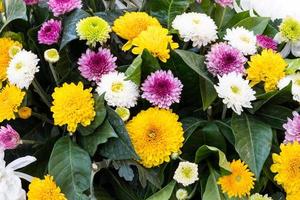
(242, 39)
(186, 173)
(235, 92)
(257, 196)
(295, 79)
(51, 55)
(22, 68)
(196, 27)
(118, 91)
(181, 194)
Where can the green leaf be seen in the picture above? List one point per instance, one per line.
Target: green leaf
(71, 168)
(134, 71)
(150, 63)
(294, 65)
(212, 190)
(237, 18)
(253, 140)
(124, 170)
(101, 193)
(226, 130)
(208, 93)
(255, 24)
(110, 16)
(165, 193)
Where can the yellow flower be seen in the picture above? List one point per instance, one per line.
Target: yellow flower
(44, 190)
(287, 165)
(156, 40)
(72, 105)
(1, 6)
(239, 182)
(293, 196)
(25, 112)
(155, 135)
(268, 67)
(130, 25)
(290, 29)
(11, 98)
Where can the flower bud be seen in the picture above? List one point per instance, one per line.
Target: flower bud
(124, 113)
(25, 112)
(51, 55)
(181, 194)
(9, 138)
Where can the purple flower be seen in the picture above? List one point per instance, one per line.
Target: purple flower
(9, 138)
(225, 3)
(292, 129)
(92, 65)
(223, 59)
(50, 32)
(31, 2)
(60, 7)
(162, 89)
(266, 42)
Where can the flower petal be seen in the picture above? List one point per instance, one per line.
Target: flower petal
(24, 176)
(21, 162)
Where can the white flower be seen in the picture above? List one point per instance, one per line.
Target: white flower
(242, 39)
(257, 196)
(22, 68)
(186, 173)
(118, 91)
(235, 92)
(181, 194)
(196, 27)
(295, 79)
(51, 55)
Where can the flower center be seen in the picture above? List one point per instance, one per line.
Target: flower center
(187, 172)
(297, 82)
(235, 89)
(196, 21)
(117, 87)
(238, 178)
(244, 38)
(19, 65)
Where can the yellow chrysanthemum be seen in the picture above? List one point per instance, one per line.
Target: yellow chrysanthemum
(44, 190)
(239, 182)
(11, 98)
(25, 112)
(155, 135)
(72, 105)
(287, 167)
(156, 40)
(290, 29)
(130, 25)
(268, 67)
(93, 29)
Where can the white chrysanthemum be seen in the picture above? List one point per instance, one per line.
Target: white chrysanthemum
(118, 91)
(257, 196)
(181, 194)
(186, 173)
(242, 39)
(22, 68)
(235, 92)
(295, 79)
(196, 27)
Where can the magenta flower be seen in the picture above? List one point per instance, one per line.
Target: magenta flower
(225, 3)
(266, 42)
(60, 7)
(162, 89)
(50, 32)
(31, 2)
(9, 138)
(292, 129)
(223, 59)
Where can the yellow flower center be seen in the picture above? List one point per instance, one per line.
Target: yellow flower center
(196, 21)
(117, 87)
(235, 89)
(187, 172)
(297, 82)
(238, 178)
(244, 38)
(19, 65)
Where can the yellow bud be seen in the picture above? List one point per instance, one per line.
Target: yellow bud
(14, 50)
(124, 113)
(25, 112)
(51, 55)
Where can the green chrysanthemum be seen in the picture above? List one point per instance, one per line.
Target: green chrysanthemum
(257, 196)
(290, 29)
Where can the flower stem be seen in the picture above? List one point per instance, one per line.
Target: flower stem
(41, 92)
(29, 142)
(54, 73)
(42, 117)
(224, 112)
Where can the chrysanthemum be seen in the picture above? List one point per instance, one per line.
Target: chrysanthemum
(9, 138)
(182, 194)
(51, 55)
(11, 98)
(93, 29)
(73, 105)
(292, 129)
(223, 59)
(118, 91)
(225, 3)
(162, 89)
(22, 69)
(186, 173)
(92, 64)
(266, 42)
(239, 182)
(156, 40)
(60, 7)
(130, 25)
(196, 27)
(155, 135)
(257, 196)
(293, 195)
(295, 79)
(50, 32)
(235, 92)
(31, 2)
(267, 67)
(44, 189)
(242, 39)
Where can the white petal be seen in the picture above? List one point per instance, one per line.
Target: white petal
(236, 7)
(21, 162)
(24, 176)
(296, 49)
(2, 161)
(278, 38)
(286, 50)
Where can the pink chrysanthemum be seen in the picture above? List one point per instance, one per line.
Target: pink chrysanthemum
(50, 32)
(92, 65)
(266, 42)
(292, 129)
(31, 2)
(60, 7)
(223, 59)
(225, 3)
(162, 89)
(9, 138)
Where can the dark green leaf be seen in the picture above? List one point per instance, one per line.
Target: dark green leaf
(124, 170)
(110, 16)
(150, 63)
(238, 17)
(212, 190)
(255, 24)
(208, 93)
(134, 71)
(226, 130)
(165, 193)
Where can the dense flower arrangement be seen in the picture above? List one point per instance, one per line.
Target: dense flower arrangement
(149, 100)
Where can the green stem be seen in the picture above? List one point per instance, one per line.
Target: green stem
(224, 112)
(209, 113)
(54, 73)
(222, 18)
(42, 117)
(41, 92)
(29, 142)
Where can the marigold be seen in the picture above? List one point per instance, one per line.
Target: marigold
(239, 182)
(44, 190)
(155, 134)
(130, 25)
(72, 105)
(268, 67)
(11, 98)
(156, 40)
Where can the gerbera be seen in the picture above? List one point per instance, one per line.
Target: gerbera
(162, 89)
(93, 29)
(59, 7)
(50, 32)
(239, 182)
(44, 189)
(9, 138)
(186, 173)
(223, 59)
(130, 25)
(266, 67)
(94, 64)
(196, 27)
(31, 2)
(156, 40)
(73, 105)
(266, 42)
(225, 3)
(155, 135)
(295, 79)
(257, 196)
(11, 98)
